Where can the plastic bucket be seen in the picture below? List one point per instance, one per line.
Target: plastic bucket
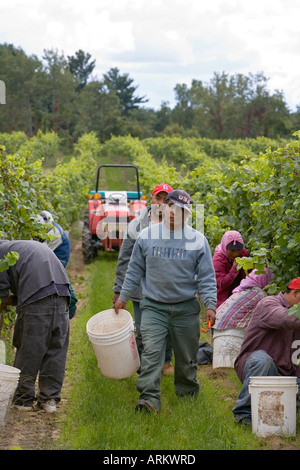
(273, 405)
(226, 346)
(113, 340)
(9, 378)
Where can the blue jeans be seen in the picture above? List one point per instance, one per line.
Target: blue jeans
(259, 363)
(139, 342)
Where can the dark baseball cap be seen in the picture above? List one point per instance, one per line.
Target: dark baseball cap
(180, 198)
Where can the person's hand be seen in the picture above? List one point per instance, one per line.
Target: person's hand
(115, 297)
(210, 316)
(235, 264)
(119, 305)
(11, 300)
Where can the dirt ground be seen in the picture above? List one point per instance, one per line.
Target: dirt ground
(38, 430)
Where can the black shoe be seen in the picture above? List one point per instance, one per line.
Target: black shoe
(245, 421)
(143, 405)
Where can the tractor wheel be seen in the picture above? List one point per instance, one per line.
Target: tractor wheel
(86, 219)
(88, 247)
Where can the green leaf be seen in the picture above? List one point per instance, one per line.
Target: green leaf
(9, 260)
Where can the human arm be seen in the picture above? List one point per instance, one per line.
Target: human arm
(11, 301)
(206, 282)
(272, 313)
(210, 316)
(134, 274)
(225, 273)
(122, 265)
(119, 305)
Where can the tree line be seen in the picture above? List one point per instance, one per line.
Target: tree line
(60, 94)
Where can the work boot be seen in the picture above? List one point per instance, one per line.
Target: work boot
(48, 405)
(167, 369)
(143, 405)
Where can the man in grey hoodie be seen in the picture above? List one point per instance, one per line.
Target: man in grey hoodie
(174, 263)
(151, 214)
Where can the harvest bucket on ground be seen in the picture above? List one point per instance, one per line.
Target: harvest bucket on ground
(9, 378)
(113, 340)
(226, 346)
(273, 405)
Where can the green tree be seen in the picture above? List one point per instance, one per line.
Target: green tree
(18, 72)
(125, 91)
(81, 67)
(98, 110)
(59, 89)
(163, 117)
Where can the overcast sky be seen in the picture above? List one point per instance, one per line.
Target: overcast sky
(164, 42)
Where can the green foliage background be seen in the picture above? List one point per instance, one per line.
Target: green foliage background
(249, 185)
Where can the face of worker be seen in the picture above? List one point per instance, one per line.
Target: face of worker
(157, 204)
(232, 254)
(175, 216)
(294, 297)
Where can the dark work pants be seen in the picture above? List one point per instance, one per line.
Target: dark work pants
(181, 322)
(139, 341)
(41, 337)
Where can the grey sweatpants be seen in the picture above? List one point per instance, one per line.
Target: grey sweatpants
(41, 337)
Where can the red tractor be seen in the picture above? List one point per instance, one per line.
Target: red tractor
(108, 215)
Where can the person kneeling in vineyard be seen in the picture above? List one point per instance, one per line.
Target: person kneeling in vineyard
(268, 344)
(40, 290)
(174, 262)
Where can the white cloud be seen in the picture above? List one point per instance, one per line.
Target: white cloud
(164, 42)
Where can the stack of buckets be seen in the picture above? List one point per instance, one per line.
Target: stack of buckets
(113, 340)
(273, 405)
(9, 378)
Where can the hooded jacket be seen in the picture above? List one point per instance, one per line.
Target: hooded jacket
(227, 275)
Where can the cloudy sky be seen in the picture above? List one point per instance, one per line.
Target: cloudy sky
(161, 43)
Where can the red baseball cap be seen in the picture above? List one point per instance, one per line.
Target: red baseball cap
(295, 284)
(162, 188)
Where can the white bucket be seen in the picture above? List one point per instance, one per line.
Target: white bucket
(226, 346)
(273, 405)
(9, 378)
(113, 340)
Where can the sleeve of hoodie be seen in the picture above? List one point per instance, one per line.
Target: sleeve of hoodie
(122, 263)
(135, 272)
(133, 230)
(206, 278)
